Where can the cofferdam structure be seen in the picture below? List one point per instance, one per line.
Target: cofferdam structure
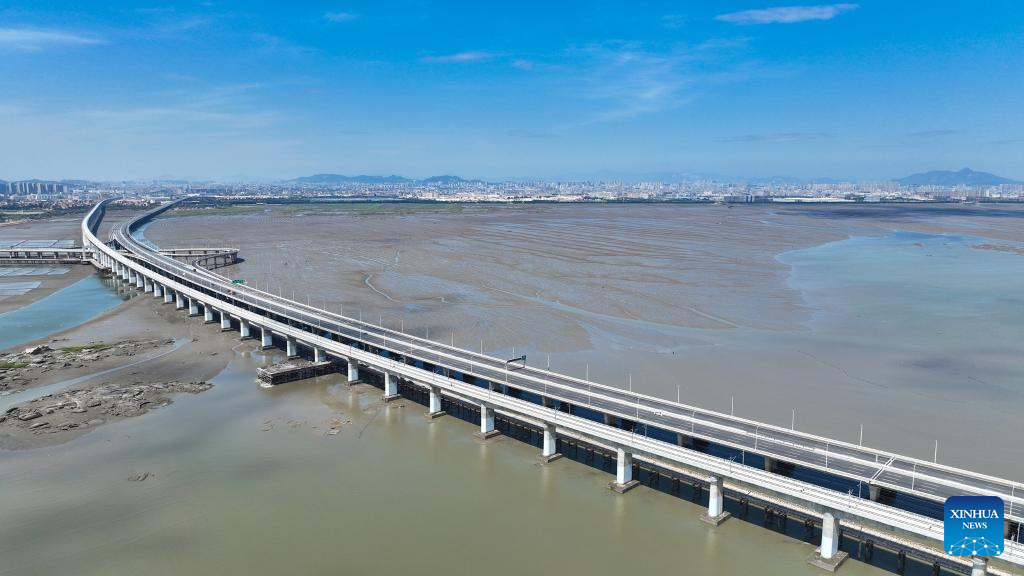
(838, 488)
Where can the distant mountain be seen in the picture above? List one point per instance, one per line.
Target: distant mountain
(340, 179)
(442, 180)
(965, 177)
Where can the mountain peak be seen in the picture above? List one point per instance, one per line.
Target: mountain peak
(963, 177)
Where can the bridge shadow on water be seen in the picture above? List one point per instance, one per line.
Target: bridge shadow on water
(694, 489)
(773, 515)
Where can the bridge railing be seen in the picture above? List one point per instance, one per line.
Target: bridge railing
(817, 448)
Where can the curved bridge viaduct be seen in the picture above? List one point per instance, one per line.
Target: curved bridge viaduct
(601, 415)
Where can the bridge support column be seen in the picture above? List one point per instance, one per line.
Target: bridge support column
(874, 492)
(716, 503)
(390, 387)
(624, 481)
(147, 285)
(768, 464)
(193, 307)
(486, 423)
(353, 371)
(208, 314)
(140, 281)
(158, 290)
(435, 404)
(979, 566)
(168, 296)
(243, 329)
(681, 439)
(291, 346)
(609, 420)
(548, 452)
(179, 301)
(225, 321)
(266, 338)
(828, 556)
(319, 354)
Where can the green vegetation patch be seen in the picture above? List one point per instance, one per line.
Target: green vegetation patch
(12, 365)
(87, 348)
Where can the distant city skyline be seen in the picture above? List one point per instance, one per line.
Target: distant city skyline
(571, 91)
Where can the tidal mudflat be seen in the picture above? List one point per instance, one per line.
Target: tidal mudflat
(831, 312)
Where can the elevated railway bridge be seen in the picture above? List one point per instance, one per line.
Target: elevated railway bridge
(839, 482)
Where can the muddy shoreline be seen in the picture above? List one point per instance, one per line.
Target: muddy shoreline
(142, 354)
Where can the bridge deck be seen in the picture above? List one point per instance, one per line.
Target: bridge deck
(857, 463)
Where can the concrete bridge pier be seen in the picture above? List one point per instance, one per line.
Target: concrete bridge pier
(225, 321)
(168, 296)
(979, 566)
(131, 276)
(548, 452)
(179, 301)
(828, 556)
(291, 347)
(243, 329)
(874, 492)
(716, 503)
(147, 285)
(681, 439)
(624, 481)
(208, 314)
(158, 290)
(435, 404)
(390, 387)
(193, 307)
(353, 371)
(769, 463)
(487, 429)
(319, 354)
(266, 338)
(609, 420)
(140, 281)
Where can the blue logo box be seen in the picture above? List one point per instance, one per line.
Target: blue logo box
(974, 526)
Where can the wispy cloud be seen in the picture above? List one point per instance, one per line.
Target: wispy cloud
(37, 39)
(786, 14)
(674, 20)
(929, 134)
(278, 45)
(459, 57)
(340, 16)
(641, 78)
(527, 133)
(523, 64)
(223, 108)
(776, 137)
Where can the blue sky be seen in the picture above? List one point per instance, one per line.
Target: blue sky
(235, 90)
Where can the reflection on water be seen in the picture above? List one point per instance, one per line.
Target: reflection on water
(249, 481)
(61, 310)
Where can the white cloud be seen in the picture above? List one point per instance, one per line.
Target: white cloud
(636, 81)
(460, 57)
(786, 14)
(36, 39)
(340, 16)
